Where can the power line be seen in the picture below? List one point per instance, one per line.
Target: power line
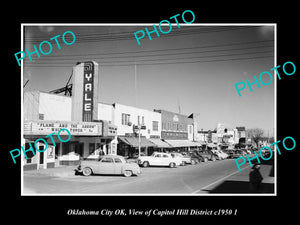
(160, 63)
(192, 57)
(184, 30)
(163, 54)
(162, 50)
(64, 61)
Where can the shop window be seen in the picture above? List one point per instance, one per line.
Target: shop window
(125, 119)
(41, 116)
(174, 126)
(91, 148)
(98, 145)
(65, 148)
(155, 125)
(29, 154)
(163, 126)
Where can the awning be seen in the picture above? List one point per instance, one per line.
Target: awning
(134, 141)
(182, 143)
(159, 143)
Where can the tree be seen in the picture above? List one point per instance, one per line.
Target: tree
(256, 134)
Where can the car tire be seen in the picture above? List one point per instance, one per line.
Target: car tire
(172, 165)
(127, 173)
(145, 164)
(87, 171)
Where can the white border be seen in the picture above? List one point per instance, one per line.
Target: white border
(151, 24)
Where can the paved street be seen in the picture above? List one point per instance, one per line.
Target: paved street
(210, 177)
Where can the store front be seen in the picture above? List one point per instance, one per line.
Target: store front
(129, 146)
(86, 138)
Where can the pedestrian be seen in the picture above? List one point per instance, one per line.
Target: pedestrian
(255, 179)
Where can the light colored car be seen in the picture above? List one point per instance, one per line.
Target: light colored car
(159, 159)
(185, 159)
(108, 164)
(221, 155)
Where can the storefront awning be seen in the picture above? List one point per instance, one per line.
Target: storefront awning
(159, 143)
(182, 143)
(134, 142)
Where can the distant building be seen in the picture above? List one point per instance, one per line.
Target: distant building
(178, 129)
(241, 134)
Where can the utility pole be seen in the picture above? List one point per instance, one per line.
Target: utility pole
(135, 85)
(135, 88)
(139, 127)
(139, 140)
(179, 110)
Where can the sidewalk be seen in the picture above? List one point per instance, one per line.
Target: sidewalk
(61, 171)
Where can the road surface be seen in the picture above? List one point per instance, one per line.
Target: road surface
(210, 177)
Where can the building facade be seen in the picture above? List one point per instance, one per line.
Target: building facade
(45, 113)
(136, 127)
(178, 130)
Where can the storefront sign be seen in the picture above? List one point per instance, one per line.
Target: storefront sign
(88, 91)
(109, 130)
(47, 127)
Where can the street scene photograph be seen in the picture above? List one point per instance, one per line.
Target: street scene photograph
(176, 109)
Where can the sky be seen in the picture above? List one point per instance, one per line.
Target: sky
(192, 68)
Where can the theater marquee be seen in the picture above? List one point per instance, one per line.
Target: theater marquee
(76, 129)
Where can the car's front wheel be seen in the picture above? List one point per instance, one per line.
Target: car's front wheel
(145, 164)
(172, 165)
(127, 173)
(87, 171)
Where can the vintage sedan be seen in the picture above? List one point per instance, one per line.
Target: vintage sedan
(108, 164)
(159, 159)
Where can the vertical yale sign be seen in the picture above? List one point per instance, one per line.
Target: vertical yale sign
(85, 92)
(88, 92)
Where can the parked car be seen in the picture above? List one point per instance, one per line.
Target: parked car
(159, 159)
(221, 155)
(235, 153)
(108, 164)
(185, 159)
(194, 158)
(208, 155)
(134, 158)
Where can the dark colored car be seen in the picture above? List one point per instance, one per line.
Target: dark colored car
(134, 158)
(208, 155)
(195, 155)
(235, 153)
